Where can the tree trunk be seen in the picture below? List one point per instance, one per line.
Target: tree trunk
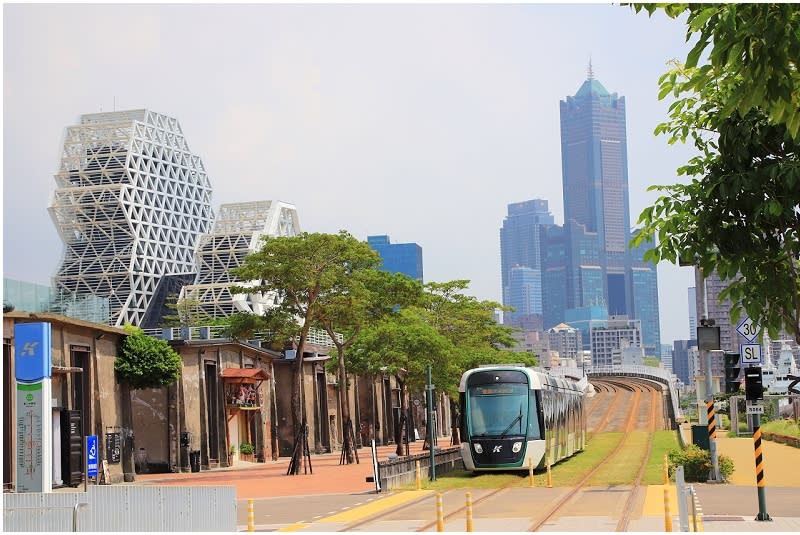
(401, 424)
(297, 404)
(128, 465)
(344, 403)
(454, 423)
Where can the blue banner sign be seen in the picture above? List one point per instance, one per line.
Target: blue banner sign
(33, 352)
(91, 456)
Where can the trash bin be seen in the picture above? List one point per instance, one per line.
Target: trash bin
(700, 437)
(194, 460)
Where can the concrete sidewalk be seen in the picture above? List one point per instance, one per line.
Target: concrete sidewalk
(324, 475)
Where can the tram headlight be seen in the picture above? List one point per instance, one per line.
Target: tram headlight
(478, 448)
(516, 447)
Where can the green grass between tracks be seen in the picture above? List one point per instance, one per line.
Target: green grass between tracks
(621, 471)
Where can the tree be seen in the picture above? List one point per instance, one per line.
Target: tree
(143, 362)
(366, 296)
(146, 362)
(448, 330)
(740, 212)
(188, 312)
(307, 271)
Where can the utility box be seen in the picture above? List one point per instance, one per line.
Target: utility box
(700, 437)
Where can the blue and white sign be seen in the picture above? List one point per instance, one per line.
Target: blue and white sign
(91, 456)
(748, 329)
(33, 352)
(750, 354)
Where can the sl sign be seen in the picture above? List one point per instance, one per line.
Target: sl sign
(748, 329)
(750, 354)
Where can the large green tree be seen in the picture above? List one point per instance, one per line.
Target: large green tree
(448, 330)
(363, 299)
(737, 99)
(309, 272)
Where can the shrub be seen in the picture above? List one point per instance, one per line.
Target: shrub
(146, 362)
(245, 448)
(696, 463)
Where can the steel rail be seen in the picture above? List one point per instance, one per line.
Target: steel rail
(577, 487)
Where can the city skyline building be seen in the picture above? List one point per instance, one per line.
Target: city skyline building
(692, 295)
(131, 202)
(237, 232)
(520, 256)
(620, 342)
(587, 262)
(403, 258)
(681, 360)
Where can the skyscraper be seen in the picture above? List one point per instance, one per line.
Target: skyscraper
(131, 202)
(520, 257)
(599, 269)
(403, 258)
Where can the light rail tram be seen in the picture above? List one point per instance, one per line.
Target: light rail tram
(512, 416)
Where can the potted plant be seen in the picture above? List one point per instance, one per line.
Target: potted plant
(246, 451)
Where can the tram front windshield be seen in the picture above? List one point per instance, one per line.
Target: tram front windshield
(498, 409)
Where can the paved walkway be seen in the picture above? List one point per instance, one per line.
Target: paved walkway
(262, 480)
(781, 462)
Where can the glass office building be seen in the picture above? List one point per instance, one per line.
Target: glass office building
(403, 258)
(600, 268)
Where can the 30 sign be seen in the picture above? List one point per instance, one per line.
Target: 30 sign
(748, 329)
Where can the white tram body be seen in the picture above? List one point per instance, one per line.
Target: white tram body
(513, 416)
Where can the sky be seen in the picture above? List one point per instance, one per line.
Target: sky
(422, 122)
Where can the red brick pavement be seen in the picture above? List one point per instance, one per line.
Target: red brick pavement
(263, 480)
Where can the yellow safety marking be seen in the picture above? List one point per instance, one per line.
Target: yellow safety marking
(654, 500)
(294, 527)
(369, 509)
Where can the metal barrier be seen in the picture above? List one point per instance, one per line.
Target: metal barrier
(123, 508)
(402, 470)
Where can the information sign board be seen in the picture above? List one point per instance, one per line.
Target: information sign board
(748, 329)
(91, 456)
(755, 409)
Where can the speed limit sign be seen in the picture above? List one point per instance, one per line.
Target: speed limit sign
(748, 329)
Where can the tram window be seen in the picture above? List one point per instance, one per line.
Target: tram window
(499, 408)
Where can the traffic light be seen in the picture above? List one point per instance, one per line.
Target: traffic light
(753, 389)
(731, 372)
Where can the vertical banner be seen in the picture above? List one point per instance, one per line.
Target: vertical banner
(32, 365)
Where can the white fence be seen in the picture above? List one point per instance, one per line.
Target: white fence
(123, 508)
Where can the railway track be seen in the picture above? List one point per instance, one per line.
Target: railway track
(638, 389)
(642, 400)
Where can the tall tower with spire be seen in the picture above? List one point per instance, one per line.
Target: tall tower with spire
(594, 160)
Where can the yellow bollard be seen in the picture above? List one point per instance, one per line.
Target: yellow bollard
(469, 511)
(667, 511)
(666, 470)
(419, 477)
(530, 471)
(251, 515)
(549, 475)
(439, 512)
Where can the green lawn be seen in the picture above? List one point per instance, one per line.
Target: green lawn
(621, 470)
(782, 427)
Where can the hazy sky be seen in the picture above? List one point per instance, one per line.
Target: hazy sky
(422, 122)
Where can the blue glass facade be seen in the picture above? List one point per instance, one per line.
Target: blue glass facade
(520, 255)
(403, 258)
(588, 263)
(680, 359)
(585, 319)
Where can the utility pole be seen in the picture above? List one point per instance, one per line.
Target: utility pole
(707, 340)
(431, 431)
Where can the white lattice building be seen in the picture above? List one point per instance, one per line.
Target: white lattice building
(237, 232)
(131, 202)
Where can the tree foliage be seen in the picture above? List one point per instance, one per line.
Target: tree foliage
(146, 362)
(739, 213)
(311, 274)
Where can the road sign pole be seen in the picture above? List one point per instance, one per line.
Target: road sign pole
(712, 441)
(762, 498)
(431, 431)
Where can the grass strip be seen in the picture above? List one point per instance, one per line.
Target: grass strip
(663, 441)
(623, 467)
